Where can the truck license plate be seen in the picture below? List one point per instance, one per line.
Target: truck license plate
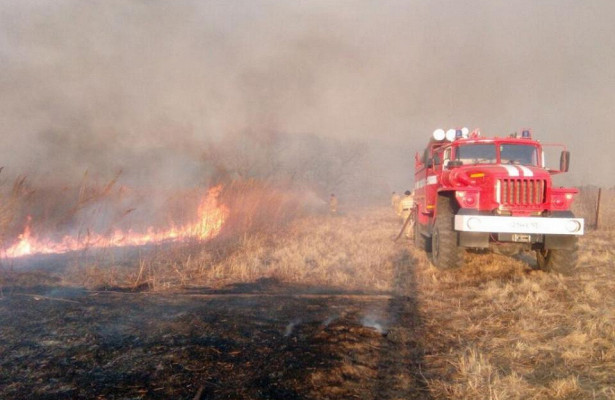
(521, 238)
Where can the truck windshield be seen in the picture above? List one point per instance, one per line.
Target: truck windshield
(476, 153)
(518, 154)
(485, 153)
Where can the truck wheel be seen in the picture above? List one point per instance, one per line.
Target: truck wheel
(444, 250)
(563, 261)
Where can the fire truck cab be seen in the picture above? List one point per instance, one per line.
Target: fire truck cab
(473, 192)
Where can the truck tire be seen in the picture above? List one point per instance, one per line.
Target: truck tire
(563, 261)
(445, 252)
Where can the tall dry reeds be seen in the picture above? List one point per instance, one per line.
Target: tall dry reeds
(586, 204)
(259, 206)
(12, 198)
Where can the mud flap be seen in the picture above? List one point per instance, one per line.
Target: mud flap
(477, 240)
(559, 242)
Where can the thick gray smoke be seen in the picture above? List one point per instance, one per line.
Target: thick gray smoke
(146, 87)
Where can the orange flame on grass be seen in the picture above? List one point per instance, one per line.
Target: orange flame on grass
(211, 217)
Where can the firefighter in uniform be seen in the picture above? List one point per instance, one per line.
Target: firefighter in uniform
(406, 206)
(333, 204)
(395, 199)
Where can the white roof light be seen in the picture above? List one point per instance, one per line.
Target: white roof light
(450, 135)
(439, 134)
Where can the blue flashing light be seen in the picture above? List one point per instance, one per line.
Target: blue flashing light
(526, 134)
(458, 134)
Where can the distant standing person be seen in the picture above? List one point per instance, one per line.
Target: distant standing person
(407, 204)
(395, 199)
(333, 204)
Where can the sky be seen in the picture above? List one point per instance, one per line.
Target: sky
(144, 86)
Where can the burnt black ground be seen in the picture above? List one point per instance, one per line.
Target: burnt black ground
(261, 340)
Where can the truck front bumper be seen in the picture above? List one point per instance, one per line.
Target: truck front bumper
(531, 225)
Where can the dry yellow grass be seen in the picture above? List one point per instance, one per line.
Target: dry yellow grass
(586, 203)
(350, 252)
(510, 332)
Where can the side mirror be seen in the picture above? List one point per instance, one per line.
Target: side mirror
(436, 159)
(564, 161)
(417, 160)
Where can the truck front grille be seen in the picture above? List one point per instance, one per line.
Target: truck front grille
(520, 192)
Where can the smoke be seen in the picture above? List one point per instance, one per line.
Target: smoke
(374, 323)
(149, 88)
(291, 326)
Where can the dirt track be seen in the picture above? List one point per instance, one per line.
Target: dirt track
(249, 341)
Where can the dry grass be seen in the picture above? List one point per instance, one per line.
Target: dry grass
(11, 199)
(317, 250)
(586, 202)
(505, 332)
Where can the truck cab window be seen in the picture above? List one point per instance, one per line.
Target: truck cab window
(518, 154)
(476, 154)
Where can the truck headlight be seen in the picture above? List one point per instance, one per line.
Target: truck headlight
(467, 199)
(573, 226)
(473, 223)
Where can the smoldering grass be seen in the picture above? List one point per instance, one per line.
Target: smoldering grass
(291, 327)
(373, 322)
(330, 320)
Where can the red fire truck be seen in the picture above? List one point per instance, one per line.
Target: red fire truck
(473, 192)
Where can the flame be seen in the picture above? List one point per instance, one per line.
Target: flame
(211, 217)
